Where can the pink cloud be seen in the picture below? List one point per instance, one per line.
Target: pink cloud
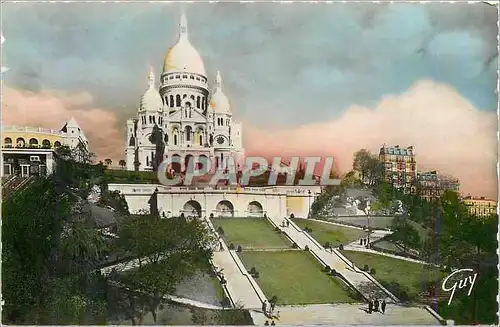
(51, 109)
(448, 133)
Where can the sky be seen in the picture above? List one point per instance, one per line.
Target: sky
(304, 79)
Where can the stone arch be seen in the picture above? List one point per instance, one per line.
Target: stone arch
(225, 209)
(20, 142)
(203, 161)
(255, 209)
(46, 143)
(7, 142)
(192, 208)
(187, 159)
(57, 144)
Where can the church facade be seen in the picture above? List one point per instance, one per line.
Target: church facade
(183, 117)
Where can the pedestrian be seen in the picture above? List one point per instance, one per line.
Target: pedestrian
(361, 241)
(287, 223)
(273, 305)
(264, 307)
(272, 323)
(221, 248)
(266, 323)
(278, 315)
(376, 304)
(383, 306)
(370, 306)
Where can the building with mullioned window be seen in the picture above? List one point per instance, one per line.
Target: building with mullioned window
(400, 167)
(431, 185)
(481, 206)
(28, 151)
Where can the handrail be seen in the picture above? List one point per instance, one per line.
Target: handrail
(306, 234)
(257, 290)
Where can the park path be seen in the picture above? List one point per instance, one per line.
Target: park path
(363, 282)
(242, 288)
(348, 314)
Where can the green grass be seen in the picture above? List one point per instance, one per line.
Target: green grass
(250, 233)
(410, 275)
(295, 277)
(324, 232)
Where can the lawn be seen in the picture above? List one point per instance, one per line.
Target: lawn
(325, 232)
(295, 277)
(250, 233)
(409, 275)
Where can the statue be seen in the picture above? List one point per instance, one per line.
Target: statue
(153, 204)
(211, 139)
(157, 139)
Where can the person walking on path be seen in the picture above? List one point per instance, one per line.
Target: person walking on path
(264, 307)
(278, 315)
(287, 223)
(273, 323)
(273, 305)
(383, 306)
(370, 306)
(376, 304)
(266, 323)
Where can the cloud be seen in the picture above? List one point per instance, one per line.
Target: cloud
(51, 109)
(448, 133)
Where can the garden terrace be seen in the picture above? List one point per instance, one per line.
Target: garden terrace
(405, 279)
(250, 233)
(324, 232)
(295, 277)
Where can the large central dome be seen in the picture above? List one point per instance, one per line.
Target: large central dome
(183, 57)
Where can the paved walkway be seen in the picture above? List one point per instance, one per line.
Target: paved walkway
(362, 281)
(348, 314)
(241, 287)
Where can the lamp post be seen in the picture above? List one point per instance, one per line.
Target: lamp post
(368, 222)
(309, 209)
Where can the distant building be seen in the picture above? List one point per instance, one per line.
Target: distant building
(400, 167)
(432, 185)
(30, 151)
(481, 207)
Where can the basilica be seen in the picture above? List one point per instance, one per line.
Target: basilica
(191, 118)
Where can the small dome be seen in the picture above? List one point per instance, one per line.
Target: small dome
(151, 100)
(183, 57)
(219, 101)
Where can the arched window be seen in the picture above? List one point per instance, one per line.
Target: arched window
(57, 144)
(175, 139)
(20, 142)
(7, 142)
(201, 139)
(188, 133)
(150, 120)
(178, 100)
(154, 119)
(33, 141)
(184, 96)
(198, 102)
(46, 143)
(172, 104)
(147, 161)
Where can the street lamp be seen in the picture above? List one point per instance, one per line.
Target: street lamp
(309, 209)
(368, 222)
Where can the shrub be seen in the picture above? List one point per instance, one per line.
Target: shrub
(253, 270)
(365, 268)
(341, 247)
(220, 230)
(211, 215)
(306, 248)
(256, 275)
(372, 271)
(295, 246)
(292, 216)
(226, 302)
(277, 229)
(231, 246)
(239, 248)
(274, 299)
(333, 272)
(328, 269)
(327, 245)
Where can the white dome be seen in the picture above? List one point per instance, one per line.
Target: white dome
(219, 101)
(151, 100)
(183, 57)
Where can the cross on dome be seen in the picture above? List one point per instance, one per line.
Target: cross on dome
(218, 81)
(183, 30)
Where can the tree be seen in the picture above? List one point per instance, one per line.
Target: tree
(405, 234)
(361, 163)
(108, 162)
(168, 250)
(122, 163)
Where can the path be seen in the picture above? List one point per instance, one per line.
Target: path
(364, 283)
(241, 287)
(348, 314)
